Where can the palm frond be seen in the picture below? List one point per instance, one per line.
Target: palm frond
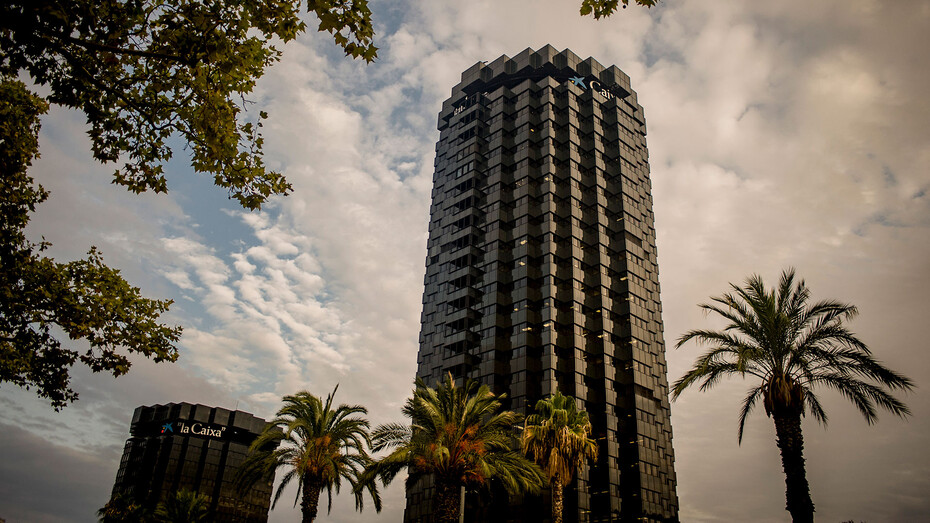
(711, 368)
(516, 473)
(389, 436)
(748, 404)
(713, 372)
(865, 396)
(792, 346)
(815, 408)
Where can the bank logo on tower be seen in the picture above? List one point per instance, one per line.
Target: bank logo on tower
(166, 428)
(578, 80)
(607, 91)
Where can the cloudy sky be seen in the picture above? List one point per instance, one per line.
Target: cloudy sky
(787, 133)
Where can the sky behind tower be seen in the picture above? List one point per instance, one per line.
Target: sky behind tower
(780, 134)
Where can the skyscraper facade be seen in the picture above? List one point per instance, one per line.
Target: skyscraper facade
(541, 273)
(182, 446)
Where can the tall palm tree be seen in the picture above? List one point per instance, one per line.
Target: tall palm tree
(459, 436)
(318, 445)
(557, 438)
(791, 347)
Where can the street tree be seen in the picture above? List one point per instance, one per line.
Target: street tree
(317, 444)
(41, 298)
(460, 437)
(145, 74)
(556, 437)
(144, 71)
(790, 347)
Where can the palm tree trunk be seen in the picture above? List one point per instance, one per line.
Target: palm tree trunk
(555, 484)
(791, 443)
(448, 498)
(310, 501)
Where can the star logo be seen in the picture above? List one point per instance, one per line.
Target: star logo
(166, 428)
(577, 80)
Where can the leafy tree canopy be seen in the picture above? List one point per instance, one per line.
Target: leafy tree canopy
(604, 8)
(40, 297)
(143, 71)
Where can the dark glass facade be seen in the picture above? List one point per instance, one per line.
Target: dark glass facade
(180, 446)
(541, 274)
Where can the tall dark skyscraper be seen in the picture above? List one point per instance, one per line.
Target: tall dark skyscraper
(541, 273)
(181, 446)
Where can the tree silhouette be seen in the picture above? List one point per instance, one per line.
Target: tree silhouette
(791, 347)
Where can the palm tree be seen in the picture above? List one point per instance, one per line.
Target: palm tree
(791, 347)
(123, 508)
(458, 436)
(557, 437)
(183, 507)
(318, 445)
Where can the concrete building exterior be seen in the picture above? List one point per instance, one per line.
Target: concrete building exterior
(541, 274)
(181, 446)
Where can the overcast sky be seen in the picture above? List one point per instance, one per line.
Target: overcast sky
(786, 133)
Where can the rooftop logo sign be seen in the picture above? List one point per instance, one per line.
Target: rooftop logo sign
(200, 429)
(607, 91)
(196, 429)
(476, 89)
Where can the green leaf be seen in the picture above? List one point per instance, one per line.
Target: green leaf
(39, 297)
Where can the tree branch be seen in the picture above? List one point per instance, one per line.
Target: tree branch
(76, 63)
(94, 46)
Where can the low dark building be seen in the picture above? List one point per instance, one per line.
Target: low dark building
(180, 446)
